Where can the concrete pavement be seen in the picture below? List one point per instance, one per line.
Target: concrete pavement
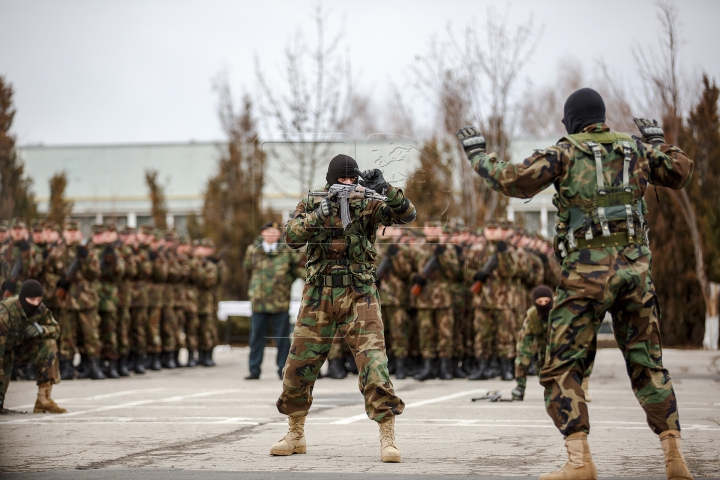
(210, 423)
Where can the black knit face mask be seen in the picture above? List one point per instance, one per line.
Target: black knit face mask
(29, 309)
(30, 289)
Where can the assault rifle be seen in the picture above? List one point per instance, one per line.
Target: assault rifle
(386, 265)
(431, 265)
(485, 272)
(63, 285)
(345, 193)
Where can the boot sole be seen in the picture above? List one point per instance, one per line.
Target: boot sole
(285, 453)
(39, 410)
(391, 459)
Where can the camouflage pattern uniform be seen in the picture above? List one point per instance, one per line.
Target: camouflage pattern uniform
(192, 321)
(140, 301)
(9, 258)
(125, 288)
(180, 288)
(171, 288)
(112, 269)
(395, 298)
(340, 294)
(209, 279)
(600, 178)
(15, 346)
(156, 299)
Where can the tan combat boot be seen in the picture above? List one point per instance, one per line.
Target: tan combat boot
(388, 451)
(586, 389)
(675, 466)
(44, 402)
(579, 465)
(294, 441)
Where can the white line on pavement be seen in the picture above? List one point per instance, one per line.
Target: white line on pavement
(96, 397)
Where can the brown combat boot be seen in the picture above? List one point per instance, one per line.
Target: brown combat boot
(675, 466)
(388, 451)
(579, 465)
(44, 402)
(586, 389)
(294, 441)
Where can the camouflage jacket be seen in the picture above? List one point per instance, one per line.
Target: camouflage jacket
(271, 276)
(142, 279)
(53, 269)
(570, 167)
(9, 259)
(131, 271)
(181, 279)
(396, 283)
(174, 278)
(81, 296)
(13, 322)
(333, 250)
(501, 290)
(437, 293)
(191, 287)
(112, 271)
(207, 278)
(156, 285)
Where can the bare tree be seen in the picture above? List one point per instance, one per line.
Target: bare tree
(313, 107)
(59, 207)
(158, 208)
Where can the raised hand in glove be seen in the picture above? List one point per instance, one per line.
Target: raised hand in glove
(82, 251)
(472, 140)
(440, 249)
(153, 255)
(374, 180)
(392, 250)
(651, 132)
(109, 256)
(8, 288)
(24, 246)
(501, 246)
(480, 276)
(34, 330)
(324, 208)
(419, 280)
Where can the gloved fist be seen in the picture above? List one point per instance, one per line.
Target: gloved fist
(374, 180)
(46, 253)
(440, 249)
(419, 280)
(324, 209)
(651, 132)
(63, 284)
(24, 246)
(480, 276)
(9, 286)
(501, 246)
(392, 250)
(153, 255)
(34, 330)
(472, 140)
(82, 251)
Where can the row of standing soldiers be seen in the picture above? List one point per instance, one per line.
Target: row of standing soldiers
(453, 300)
(126, 300)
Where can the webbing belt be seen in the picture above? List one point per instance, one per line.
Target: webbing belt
(335, 280)
(619, 239)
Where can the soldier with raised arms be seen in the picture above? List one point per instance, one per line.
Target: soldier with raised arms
(340, 294)
(600, 179)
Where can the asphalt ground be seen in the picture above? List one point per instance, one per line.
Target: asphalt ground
(209, 423)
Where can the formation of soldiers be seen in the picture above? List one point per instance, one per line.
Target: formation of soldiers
(126, 300)
(453, 300)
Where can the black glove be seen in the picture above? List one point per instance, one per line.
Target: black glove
(392, 250)
(109, 256)
(63, 283)
(82, 251)
(46, 253)
(324, 208)
(153, 255)
(419, 280)
(9, 286)
(374, 180)
(651, 132)
(501, 246)
(543, 257)
(34, 330)
(24, 246)
(214, 259)
(472, 140)
(480, 276)
(440, 249)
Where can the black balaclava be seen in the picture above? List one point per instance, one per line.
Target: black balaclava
(539, 292)
(30, 289)
(582, 108)
(341, 166)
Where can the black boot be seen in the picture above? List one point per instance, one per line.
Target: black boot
(168, 360)
(207, 360)
(468, 365)
(493, 367)
(67, 372)
(83, 368)
(123, 366)
(30, 372)
(446, 369)
(94, 369)
(531, 368)
(336, 369)
(112, 370)
(350, 365)
(481, 370)
(391, 365)
(140, 363)
(131, 361)
(507, 369)
(400, 371)
(191, 359)
(155, 362)
(426, 370)
(457, 369)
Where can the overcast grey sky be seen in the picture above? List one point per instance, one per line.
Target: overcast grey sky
(141, 71)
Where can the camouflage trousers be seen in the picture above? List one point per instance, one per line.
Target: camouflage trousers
(123, 331)
(138, 330)
(84, 324)
(494, 333)
(400, 329)
(41, 353)
(207, 331)
(338, 348)
(435, 331)
(190, 326)
(593, 282)
(152, 332)
(462, 333)
(355, 313)
(108, 335)
(180, 338)
(169, 329)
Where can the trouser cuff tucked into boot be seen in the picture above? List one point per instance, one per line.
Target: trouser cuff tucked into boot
(675, 466)
(44, 402)
(579, 465)
(294, 440)
(388, 450)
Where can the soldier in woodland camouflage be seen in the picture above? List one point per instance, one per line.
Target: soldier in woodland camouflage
(156, 299)
(601, 178)
(190, 311)
(169, 321)
(28, 333)
(209, 277)
(181, 250)
(140, 243)
(272, 267)
(17, 259)
(125, 287)
(340, 294)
